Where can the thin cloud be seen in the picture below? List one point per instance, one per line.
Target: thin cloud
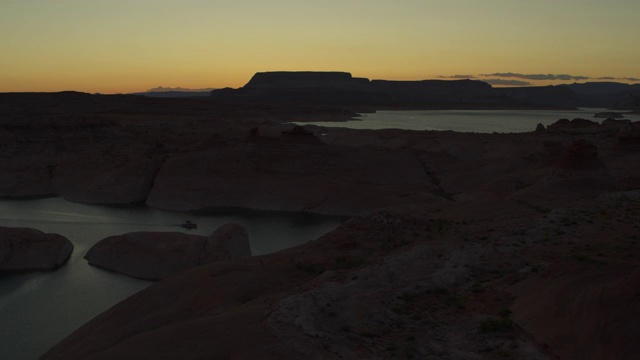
(457, 77)
(506, 82)
(565, 77)
(516, 79)
(618, 78)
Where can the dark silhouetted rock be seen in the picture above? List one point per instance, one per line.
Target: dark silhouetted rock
(340, 88)
(552, 151)
(24, 249)
(603, 302)
(227, 242)
(580, 154)
(304, 79)
(106, 180)
(553, 96)
(540, 128)
(577, 125)
(608, 114)
(156, 255)
(630, 140)
(26, 176)
(290, 176)
(619, 125)
(583, 123)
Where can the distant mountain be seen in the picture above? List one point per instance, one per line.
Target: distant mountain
(601, 88)
(173, 92)
(340, 88)
(542, 95)
(607, 94)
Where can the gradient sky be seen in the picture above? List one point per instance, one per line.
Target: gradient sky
(133, 45)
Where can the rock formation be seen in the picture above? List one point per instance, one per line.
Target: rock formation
(292, 173)
(156, 255)
(229, 241)
(556, 306)
(105, 179)
(580, 155)
(24, 249)
(459, 245)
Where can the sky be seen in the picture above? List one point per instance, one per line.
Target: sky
(121, 46)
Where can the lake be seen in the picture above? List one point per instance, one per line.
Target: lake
(39, 309)
(480, 121)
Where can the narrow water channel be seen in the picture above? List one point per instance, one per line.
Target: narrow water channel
(37, 310)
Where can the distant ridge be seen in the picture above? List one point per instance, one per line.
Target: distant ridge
(341, 88)
(173, 92)
(177, 89)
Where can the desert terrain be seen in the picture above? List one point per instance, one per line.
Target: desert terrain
(457, 245)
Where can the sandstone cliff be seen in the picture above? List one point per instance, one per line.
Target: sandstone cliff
(157, 255)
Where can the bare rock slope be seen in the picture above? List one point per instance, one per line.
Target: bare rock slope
(156, 255)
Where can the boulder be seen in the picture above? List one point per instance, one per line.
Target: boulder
(227, 242)
(25, 249)
(156, 255)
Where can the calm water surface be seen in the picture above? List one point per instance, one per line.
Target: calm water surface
(37, 310)
(480, 121)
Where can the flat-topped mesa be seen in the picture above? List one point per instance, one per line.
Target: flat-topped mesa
(304, 79)
(304, 87)
(340, 88)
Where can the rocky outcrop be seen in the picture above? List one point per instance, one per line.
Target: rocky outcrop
(580, 155)
(608, 114)
(293, 173)
(585, 126)
(576, 172)
(26, 176)
(156, 255)
(620, 125)
(582, 307)
(25, 249)
(229, 241)
(106, 180)
(575, 125)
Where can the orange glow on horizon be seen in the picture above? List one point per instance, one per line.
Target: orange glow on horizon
(131, 46)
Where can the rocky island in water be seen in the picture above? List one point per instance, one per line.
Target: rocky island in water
(458, 245)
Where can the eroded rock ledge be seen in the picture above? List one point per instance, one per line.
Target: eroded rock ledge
(25, 249)
(156, 255)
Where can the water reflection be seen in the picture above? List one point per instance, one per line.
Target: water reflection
(40, 309)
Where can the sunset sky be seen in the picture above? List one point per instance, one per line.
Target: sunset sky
(133, 45)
